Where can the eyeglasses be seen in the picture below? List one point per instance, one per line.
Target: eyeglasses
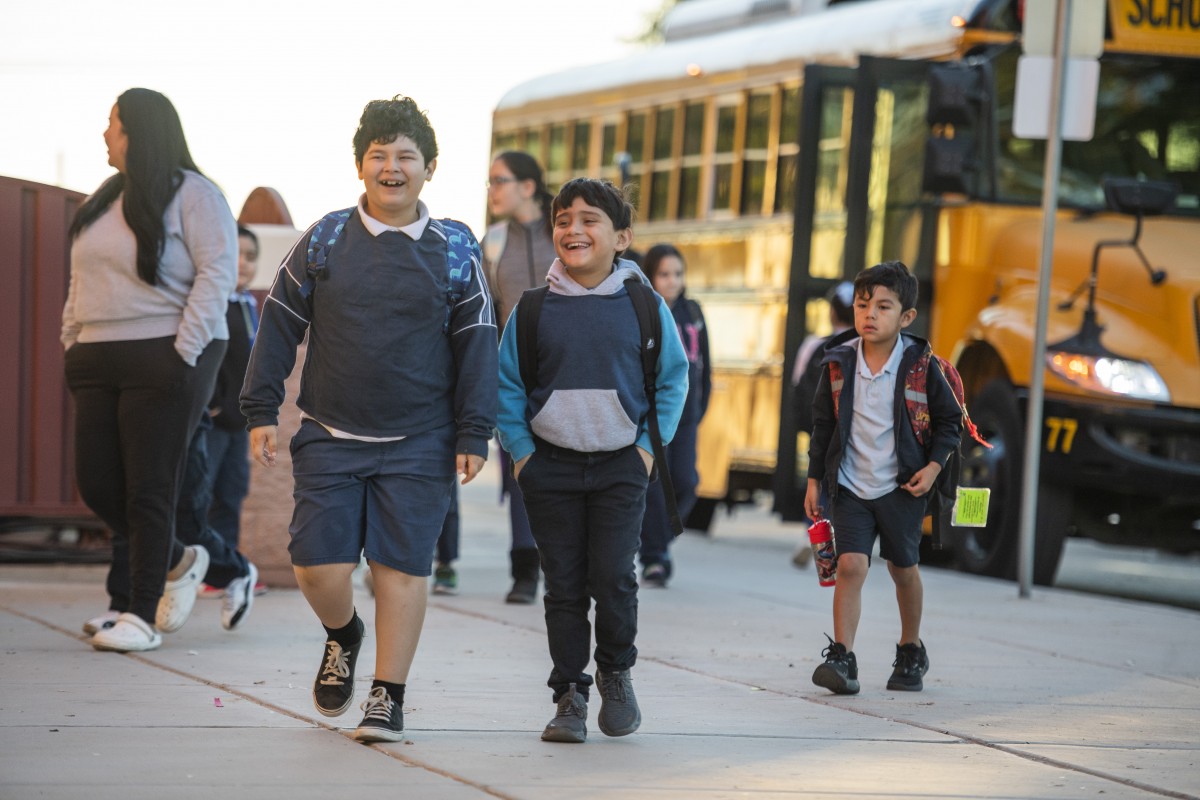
(500, 181)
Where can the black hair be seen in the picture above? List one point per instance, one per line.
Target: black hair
(602, 194)
(893, 275)
(654, 257)
(525, 167)
(841, 303)
(383, 121)
(249, 234)
(156, 156)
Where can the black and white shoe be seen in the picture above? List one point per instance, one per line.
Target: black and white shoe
(333, 690)
(383, 720)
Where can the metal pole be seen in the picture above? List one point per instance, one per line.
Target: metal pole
(1037, 389)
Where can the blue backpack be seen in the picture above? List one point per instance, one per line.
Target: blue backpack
(460, 264)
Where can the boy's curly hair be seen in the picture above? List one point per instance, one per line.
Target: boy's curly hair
(599, 193)
(892, 274)
(383, 120)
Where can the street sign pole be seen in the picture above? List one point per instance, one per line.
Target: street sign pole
(1037, 389)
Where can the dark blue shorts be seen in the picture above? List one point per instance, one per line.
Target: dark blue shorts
(385, 500)
(895, 518)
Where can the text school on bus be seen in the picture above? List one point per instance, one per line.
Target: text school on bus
(784, 146)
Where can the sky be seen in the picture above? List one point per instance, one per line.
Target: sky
(270, 92)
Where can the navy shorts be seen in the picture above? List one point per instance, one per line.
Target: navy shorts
(385, 500)
(895, 518)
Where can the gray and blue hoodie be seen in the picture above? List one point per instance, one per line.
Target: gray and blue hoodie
(590, 395)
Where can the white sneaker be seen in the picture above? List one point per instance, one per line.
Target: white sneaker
(129, 634)
(100, 623)
(179, 595)
(239, 597)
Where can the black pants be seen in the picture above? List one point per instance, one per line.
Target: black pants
(656, 525)
(585, 511)
(136, 408)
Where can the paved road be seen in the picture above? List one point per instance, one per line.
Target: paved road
(1063, 695)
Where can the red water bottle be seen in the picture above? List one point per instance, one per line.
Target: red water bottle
(820, 534)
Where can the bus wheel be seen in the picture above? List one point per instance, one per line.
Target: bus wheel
(992, 550)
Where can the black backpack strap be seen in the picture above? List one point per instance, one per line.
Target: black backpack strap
(529, 311)
(645, 305)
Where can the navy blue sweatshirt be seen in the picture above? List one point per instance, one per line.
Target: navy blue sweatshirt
(378, 362)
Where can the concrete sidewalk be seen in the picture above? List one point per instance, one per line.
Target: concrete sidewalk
(1061, 696)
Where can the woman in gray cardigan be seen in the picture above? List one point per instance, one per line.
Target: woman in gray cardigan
(153, 261)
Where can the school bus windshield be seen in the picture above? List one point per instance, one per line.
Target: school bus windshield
(1147, 127)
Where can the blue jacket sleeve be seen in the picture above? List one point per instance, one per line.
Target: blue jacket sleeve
(671, 386)
(473, 341)
(281, 328)
(516, 437)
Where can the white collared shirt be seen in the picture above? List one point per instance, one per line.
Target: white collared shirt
(870, 467)
(412, 230)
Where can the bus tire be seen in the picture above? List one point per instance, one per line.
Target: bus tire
(992, 550)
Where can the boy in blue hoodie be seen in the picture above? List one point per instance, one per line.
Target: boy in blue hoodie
(581, 450)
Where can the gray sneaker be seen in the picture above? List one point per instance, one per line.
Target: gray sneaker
(570, 723)
(619, 712)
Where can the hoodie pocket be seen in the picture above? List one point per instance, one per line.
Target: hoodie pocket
(588, 420)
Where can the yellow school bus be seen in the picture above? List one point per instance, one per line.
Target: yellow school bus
(786, 145)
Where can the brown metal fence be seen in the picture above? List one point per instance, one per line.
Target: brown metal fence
(36, 431)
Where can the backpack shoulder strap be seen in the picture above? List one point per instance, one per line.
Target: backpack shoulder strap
(460, 261)
(529, 311)
(645, 305)
(322, 239)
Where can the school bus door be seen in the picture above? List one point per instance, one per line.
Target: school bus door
(859, 201)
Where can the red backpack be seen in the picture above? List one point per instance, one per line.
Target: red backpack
(915, 397)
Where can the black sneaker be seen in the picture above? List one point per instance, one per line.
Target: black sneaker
(333, 690)
(911, 664)
(619, 713)
(384, 719)
(839, 673)
(570, 723)
(654, 576)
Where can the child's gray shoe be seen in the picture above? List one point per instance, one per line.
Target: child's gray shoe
(619, 712)
(570, 723)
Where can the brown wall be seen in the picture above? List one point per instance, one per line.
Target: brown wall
(36, 453)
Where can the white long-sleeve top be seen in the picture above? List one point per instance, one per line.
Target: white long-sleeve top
(107, 301)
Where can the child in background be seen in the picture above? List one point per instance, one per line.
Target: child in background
(664, 266)
(581, 449)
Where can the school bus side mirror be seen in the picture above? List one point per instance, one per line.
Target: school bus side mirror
(957, 97)
(1139, 198)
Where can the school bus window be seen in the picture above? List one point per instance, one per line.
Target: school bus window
(608, 147)
(637, 137)
(754, 181)
(785, 184)
(758, 121)
(664, 133)
(693, 129)
(533, 144)
(660, 190)
(556, 159)
(789, 117)
(726, 128)
(722, 187)
(689, 193)
(580, 144)
(894, 194)
(505, 141)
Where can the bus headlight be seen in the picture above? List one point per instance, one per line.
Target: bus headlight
(1109, 374)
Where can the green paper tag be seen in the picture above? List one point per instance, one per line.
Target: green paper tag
(971, 507)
